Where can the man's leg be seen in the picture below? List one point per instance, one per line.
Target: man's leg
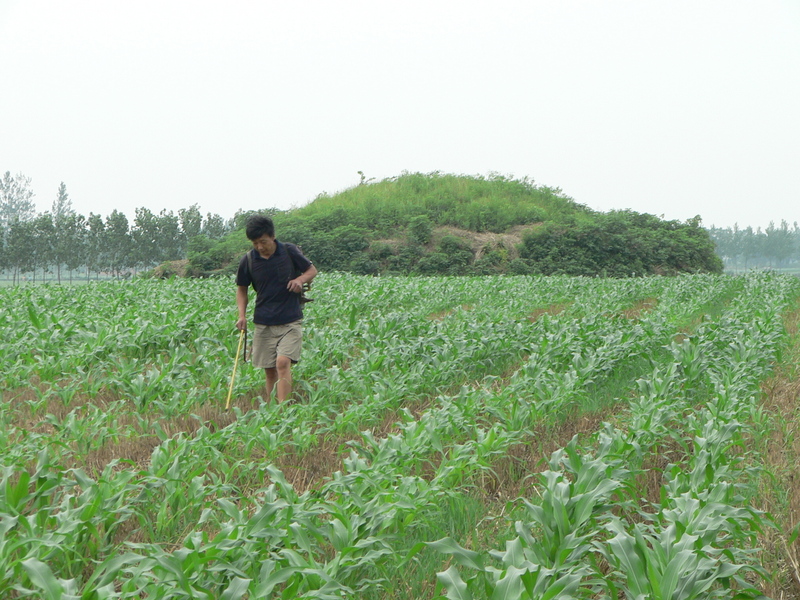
(283, 366)
(265, 350)
(272, 377)
(288, 353)
(281, 347)
(281, 375)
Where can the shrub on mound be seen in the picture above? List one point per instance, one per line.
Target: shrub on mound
(620, 244)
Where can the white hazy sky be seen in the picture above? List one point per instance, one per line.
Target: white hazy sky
(672, 108)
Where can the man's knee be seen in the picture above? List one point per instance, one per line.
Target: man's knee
(283, 364)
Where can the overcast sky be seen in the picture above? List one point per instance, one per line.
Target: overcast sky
(672, 108)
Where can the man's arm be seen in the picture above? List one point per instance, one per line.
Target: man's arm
(241, 304)
(296, 284)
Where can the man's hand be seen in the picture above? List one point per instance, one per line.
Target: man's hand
(295, 285)
(241, 324)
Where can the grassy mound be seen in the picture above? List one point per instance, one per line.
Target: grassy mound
(439, 223)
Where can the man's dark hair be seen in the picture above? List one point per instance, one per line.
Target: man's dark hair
(259, 225)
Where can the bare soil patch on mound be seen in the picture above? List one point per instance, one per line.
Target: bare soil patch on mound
(479, 242)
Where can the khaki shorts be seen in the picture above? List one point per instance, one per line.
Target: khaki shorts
(271, 341)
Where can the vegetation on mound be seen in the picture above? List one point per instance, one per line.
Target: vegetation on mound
(437, 223)
(495, 203)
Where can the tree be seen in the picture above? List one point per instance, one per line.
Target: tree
(74, 234)
(44, 233)
(191, 221)
(752, 247)
(62, 213)
(156, 238)
(778, 244)
(62, 205)
(19, 241)
(214, 227)
(145, 238)
(117, 242)
(16, 206)
(172, 245)
(95, 245)
(16, 199)
(3, 249)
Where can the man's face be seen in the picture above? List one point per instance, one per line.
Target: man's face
(265, 244)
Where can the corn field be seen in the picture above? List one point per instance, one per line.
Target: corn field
(486, 437)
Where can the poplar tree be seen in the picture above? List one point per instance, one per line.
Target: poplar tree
(16, 199)
(64, 240)
(16, 209)
(41, 246)
(117, 242)
(95, 245)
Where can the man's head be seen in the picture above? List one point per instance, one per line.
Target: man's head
(258, 226)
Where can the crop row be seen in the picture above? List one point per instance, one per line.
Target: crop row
(217, 519)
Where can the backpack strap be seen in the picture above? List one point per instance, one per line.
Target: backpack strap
(291, 258)
(249, 256)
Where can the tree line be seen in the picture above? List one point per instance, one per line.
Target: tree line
(776, 247)
(62, 242)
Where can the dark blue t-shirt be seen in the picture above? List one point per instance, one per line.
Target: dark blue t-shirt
(275, 305)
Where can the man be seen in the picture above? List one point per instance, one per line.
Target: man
(272, 268)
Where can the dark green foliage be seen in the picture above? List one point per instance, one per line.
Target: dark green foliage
(620, 244)
(453, 244)
(199, 255)
(209, 257)
(380, 251)
(362, 264)
(520, 266)
(350, 239)
(332, 250)
(491, 263)
(420, 229)
(434, 264)
(458, 253)
(453, 256)
(379, 254)
(406, 259)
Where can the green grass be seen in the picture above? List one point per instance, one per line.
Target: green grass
(468, 202)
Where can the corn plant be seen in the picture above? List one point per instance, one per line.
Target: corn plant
(467, 368)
